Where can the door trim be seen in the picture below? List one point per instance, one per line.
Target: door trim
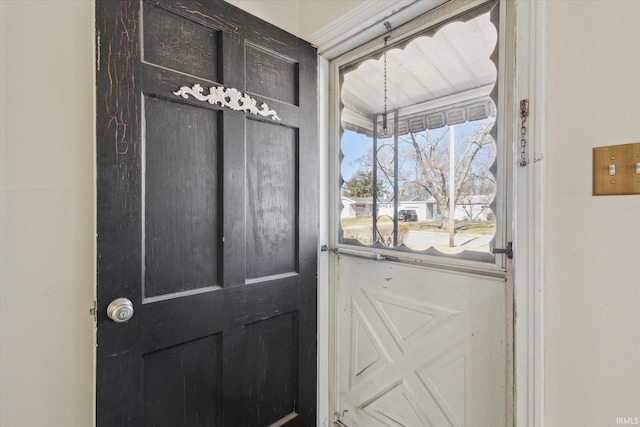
(359, 25)
(529, 240)
(528, 265)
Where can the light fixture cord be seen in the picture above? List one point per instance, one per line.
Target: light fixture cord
(384, 114)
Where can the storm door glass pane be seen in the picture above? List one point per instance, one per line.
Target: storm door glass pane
(426, 182)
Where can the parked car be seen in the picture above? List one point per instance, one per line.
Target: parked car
(407, 215)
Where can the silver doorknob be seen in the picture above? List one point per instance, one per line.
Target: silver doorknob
(120, 310)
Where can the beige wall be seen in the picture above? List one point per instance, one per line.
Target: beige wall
(47, 256)
(299, 17)
(592, 250)
(281, 13)
(316, 14)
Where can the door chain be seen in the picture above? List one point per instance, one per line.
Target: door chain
(524, 113)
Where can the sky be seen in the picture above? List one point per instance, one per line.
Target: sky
(353, 145)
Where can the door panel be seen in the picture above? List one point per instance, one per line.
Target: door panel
(178, 43)
(272, 75)
(420, 347)
(274, 342)
(187, 376)
(206, 220)
(180, 207)
(272, 179)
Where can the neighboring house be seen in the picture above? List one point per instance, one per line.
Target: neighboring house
(425, 209)
(475, 207)
(356, 207)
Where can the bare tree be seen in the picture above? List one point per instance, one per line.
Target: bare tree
(430, 156)
(478, 183)
(384, 167)
(424, 163)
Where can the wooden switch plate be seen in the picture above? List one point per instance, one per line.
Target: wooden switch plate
(622, 160)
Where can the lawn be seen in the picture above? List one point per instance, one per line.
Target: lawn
(463, 227)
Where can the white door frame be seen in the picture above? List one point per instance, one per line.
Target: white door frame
(529, 212)
(360, 26)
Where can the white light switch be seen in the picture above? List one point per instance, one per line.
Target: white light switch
(612, 170)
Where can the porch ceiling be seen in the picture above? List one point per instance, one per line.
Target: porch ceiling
(451, 69)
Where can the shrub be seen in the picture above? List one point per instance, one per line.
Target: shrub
(385, 234)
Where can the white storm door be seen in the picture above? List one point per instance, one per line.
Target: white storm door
(422, 330)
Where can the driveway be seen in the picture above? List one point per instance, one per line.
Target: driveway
(424, 239)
